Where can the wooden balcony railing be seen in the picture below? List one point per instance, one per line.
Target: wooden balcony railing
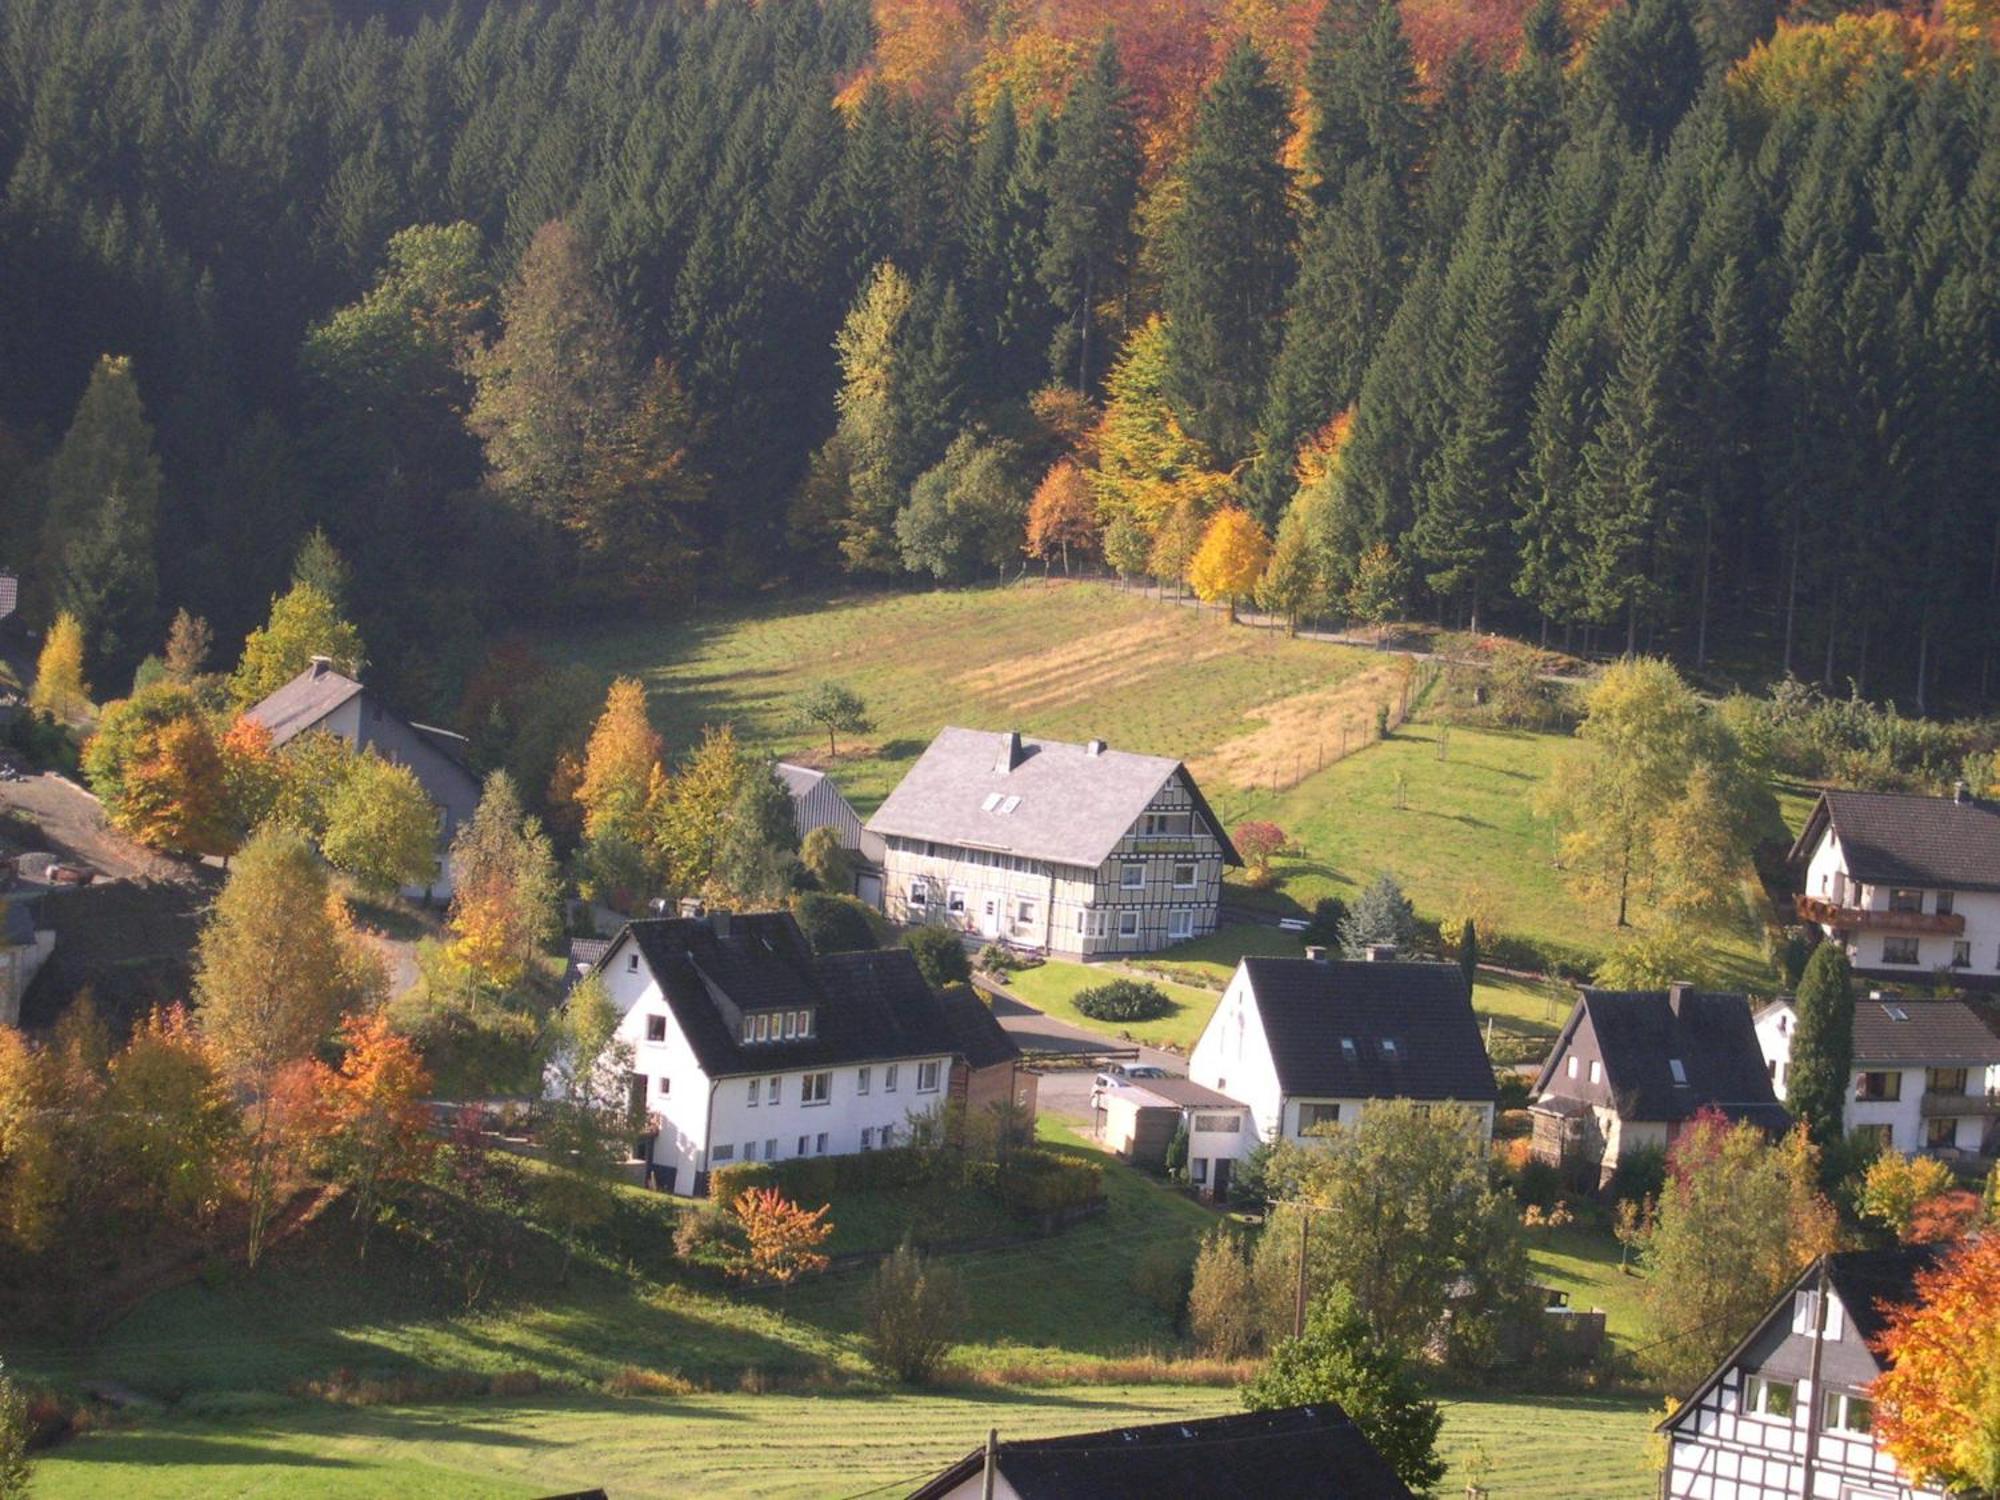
(1933, 1105)
(1827, 914)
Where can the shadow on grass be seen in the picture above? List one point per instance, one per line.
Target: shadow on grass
(159, 1449)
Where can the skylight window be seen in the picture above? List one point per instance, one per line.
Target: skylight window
(1389, 1047)
(1895, 1013)
(1010, 804)
(993, 800)
(1347, 1048)
(1679, 1071)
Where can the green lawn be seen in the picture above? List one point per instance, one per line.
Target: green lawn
(1052, 987)
(1568, 1448)
(1583, 1261)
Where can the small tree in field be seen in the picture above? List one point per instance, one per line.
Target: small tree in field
(783, 1239)
(1222, 1304)
(912, 1312)
(585, 1118)
(59, 689)
(1259, 843)
(836, 708)
(376, 1124)
(1937, 1409)
(1377, 591)
(1231, 558)
(1062, 516)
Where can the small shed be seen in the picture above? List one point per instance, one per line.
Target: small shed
(1139, 1119)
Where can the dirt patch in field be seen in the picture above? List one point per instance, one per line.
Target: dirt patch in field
(1298, 735)
(1076, 670)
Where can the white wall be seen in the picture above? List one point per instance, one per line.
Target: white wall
(676, 1088)
(1233, 1057)
(739, 1124)
(1903, 1115)
(1827, 879)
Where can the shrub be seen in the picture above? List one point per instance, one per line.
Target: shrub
(707, 1236)
(1035, 1183)
(630, 1380)
(1516, 1092)
(1161, 1276)
(939, 954)
(1124, 1000)
(998, 958)
(14, 1431)
(1259, 842)
(834, 924)
(911, 1315)
(1323, 930)
(1221, 1309)
(1640, 1174)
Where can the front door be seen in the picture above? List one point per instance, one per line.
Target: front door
(1220, 1174)
(989, 916)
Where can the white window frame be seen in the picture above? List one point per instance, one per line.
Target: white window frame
(756, 1092)
(954, 901)
(774, 1089)
(1125, 873)
(1755, 1400)
(1180, 925)
(861, 1076)
(1198, 1171)
(867, 1137)
(1125, 918)
(722, 1154)
(1193, 874)
(1837, 1413)
(815, 1089)
(656, 1023)
(889, 1079)
(930, 1069)
(1803, 1313)
(1596, 1071)
(919, 895)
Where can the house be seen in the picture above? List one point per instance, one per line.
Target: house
(1631, 1068)
(818, 803)
(1315, 1450)
(1906, 884)
(25, 945)
(328, 700)
(1311, 1042)
(987, 1072)
(1752, 1428)
(1139, 1119)
(749, 1047)
(1059, 848)
(1926, 1073)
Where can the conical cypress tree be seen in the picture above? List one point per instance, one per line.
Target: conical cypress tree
(1822, 1045)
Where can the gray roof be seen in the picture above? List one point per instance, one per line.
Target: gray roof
(1640, 1033)
(1896, 838)
(1894, 1029)
(1074, 805)
(1312, 1008)
(798, 780)
(10, 594)
(1182, 1092)
(303, 702)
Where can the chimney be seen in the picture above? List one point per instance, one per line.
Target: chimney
(1010, 752)
(1381, 953)
(1962, 793)
(718, 923)
(1677, 994)
(321, 665)
(692, 909)
(1315, 953)
(1094, 748)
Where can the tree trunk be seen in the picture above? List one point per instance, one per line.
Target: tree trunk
(1631, 648)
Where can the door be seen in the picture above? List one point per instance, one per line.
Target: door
(869, 889)
(1219, 1179)
(989, 916)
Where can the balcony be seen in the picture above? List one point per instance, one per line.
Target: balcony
(1857, 918)
(1934, 1105)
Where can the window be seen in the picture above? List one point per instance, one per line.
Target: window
(756, 1089)
(954, 902)
(805, 1024)
(764, 1028)
(927, 1077)
(819, 1144)
(1805, 1310)
(815, 1088)
(722, 1154)
(918, 895)
(656, 1028)
(1906, 900)
(771, 1149)
(663, 1086)
(867, 1138)
(1132, 877)
(1091, 923)
(1180, 925)
(1024, 912)
(1961, 954)
(1183, 877)
(631, 963)
(802, 1146)
(791, 1024)
(1572, 1067)
(1198, 1169)
(1883, 1087)
(1768, 1398)
(1940, 1135)
(1312, 1116)
(1899, 950)
(1128, 924)
(1168, 825)
(889, 1079)
(1389, 1048)
(861, 1080)
(1844, 1413)
(1944, 903)
(1875, 1137)
(888, 1136)
(1348, 1052)
(749, 1150)
(1596, 1071)
(991, 801)
(749, 1030)
(1679, 1069)
(773, 1089)
(1944, 1080)
(1219, 1124)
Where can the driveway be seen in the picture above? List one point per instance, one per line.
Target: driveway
(50, 813)
(1065, 1091)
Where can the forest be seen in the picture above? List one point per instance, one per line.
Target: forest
(1671, 325)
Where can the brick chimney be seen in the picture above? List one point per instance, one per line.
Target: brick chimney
(692, 908)
(1315, 953)
(1010, 752)
(1962, 794)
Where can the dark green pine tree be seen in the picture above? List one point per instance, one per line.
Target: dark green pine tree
(933, 349)
(1228, 257)
(1093, 188)
(1549, 525)
(1726, 405)
(1008, 310)
(1645, 67)
(1730, 28)
(1397, 418)
(1361, 88)
(1636, 484)
(1822, 1045)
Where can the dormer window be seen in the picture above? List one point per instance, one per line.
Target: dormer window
(1679, 1070)
(1167, 825)
(778, 1026)
(1389, 1048)
(1347, 1049)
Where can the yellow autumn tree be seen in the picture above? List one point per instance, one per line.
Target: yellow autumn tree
(619, 765)
(60, 690)
(1231, 558)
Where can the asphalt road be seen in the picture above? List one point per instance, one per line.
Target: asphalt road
(1065, 1091)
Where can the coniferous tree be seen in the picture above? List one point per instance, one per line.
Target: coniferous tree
(1822, 1045)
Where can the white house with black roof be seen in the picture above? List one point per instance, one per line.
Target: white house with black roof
(1060, 848)
(1761, 1427)
(1925, 1075)
(1631, 1068)
(747, 1046)
(1307, 1043)
(1906, 884)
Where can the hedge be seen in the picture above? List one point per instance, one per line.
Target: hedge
(1123, 1000)
(1029, 1184)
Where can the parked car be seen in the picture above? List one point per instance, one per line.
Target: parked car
(60, 874)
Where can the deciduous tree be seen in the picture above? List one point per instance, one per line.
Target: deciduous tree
(59, 688)
(506, 898)
(836, 708)
(1062, 516)
(381, 827)
(1937, 1406)
(586, 1119)
(783, 1237)
(1233, 555)
(376, 1127)
(304, 623)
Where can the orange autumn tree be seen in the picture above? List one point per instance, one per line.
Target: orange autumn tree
(177, 797)
(374, 1127)
(252, 775)
(1231, 558)
(1063, 515)
(1937, 1406)
(782, 1238)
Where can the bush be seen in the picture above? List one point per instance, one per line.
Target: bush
(939, 954)
(834, 924)
(1034, 1184)
(1323, 930)
(1640, 1174)
(1161, 1276)
(1222, 1309)
(911, 1315)
(1516, 1091)
(707, 1236)
(1124, 1000)
(998, 958)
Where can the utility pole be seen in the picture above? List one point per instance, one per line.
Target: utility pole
(1299, 1297)
(992, 1464)
(1815, 1403)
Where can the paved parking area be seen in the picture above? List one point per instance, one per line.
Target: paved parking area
(1065, 1092)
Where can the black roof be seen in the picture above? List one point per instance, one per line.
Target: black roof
(1297, 1449)
(977, 1034)
(1898, 838)
(584, 955)
(1312, 1007)
(1641, 1033)
(712, 969)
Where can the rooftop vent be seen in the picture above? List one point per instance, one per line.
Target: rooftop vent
(692, 908)
(1315, 953)
(1095, 747)
(321, 665)
(1010, 752)
(1895, 1012)
(1381, 953)
(1679, 1070)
